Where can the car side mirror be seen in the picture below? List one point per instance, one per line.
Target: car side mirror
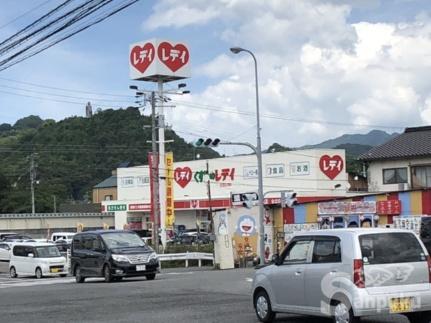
(31, 255)
(275, 259)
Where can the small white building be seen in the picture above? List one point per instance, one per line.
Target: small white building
(402, 163)
(316, 173)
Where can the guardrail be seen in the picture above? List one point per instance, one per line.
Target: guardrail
(186, 256)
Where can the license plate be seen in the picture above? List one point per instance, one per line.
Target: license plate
(141, 267)
(55, 270)
(400, 305)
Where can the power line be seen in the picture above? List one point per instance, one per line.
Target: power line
(62, 95)
(64, 89)
(19, 57)
(24, 14)
(278, 117)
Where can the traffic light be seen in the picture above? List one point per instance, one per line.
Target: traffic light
(208, 142)
(288, 199)
(248, 199)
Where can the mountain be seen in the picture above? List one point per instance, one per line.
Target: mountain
(373, 138)
(74, 154)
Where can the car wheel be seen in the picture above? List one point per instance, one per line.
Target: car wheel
(38, 273)
(78, 276)
(118, 279)
(107, 274)
(419, 317)
(262, 306)
(343, 313)
(151, 276)
(12, 272)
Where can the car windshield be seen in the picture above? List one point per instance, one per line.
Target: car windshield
(122, 240)
(47, 252)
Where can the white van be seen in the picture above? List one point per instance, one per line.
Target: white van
(36, 259)
(66, 236)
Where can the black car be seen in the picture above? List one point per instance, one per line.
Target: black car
(112, 254)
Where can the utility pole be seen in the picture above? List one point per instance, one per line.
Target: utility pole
(155, 173)
(212, 233)
(55, 203)
(32, 180)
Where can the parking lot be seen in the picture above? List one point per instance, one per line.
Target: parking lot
(179, 295)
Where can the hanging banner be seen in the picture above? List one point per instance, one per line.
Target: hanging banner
(355, 207)
(170, 215)
(154, 174)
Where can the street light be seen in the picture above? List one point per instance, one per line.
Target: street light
(237, 50)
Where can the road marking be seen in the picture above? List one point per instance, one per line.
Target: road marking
(24, 282)
(248, 279)
(178, 273)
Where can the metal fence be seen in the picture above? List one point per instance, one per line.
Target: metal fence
(186, 256)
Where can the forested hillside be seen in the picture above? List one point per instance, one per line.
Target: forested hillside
(73, 155)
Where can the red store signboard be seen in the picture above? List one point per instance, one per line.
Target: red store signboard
(391, 207)
(140, 207)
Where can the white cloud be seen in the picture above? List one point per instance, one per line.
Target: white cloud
(315, 66)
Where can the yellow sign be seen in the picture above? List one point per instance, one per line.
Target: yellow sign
(79, 227)
(170, 212)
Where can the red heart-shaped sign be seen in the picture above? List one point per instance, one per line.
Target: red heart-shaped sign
(174, 57)
(183, 176)
(331, 166)
(142, 57)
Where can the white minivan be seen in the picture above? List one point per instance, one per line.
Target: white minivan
(66, 236)
(36, 259)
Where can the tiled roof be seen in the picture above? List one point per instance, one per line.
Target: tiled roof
(109, 182)
(413, 143)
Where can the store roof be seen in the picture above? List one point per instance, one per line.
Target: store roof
(109, 182)
(413, 143)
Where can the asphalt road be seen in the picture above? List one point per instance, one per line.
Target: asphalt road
(177, 295)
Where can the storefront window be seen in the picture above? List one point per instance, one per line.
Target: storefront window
(395, 175)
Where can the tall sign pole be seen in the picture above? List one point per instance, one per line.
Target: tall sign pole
(160, 61)
(162, 165)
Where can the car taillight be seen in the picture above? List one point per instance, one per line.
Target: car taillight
(429, 269)
(358, 273)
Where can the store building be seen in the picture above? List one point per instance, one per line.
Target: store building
(317, 174)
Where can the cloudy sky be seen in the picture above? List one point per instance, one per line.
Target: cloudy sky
(326, 67)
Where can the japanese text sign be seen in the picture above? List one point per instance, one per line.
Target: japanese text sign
(390, 207)
(170, 215)
(346, 207)
(155, 60)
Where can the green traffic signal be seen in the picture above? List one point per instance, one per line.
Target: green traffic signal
(199, 142)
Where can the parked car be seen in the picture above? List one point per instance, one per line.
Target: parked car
(4, 251)
(62, 246)
(18, 238)
(112, 254)
(6, 234)
(66, 236)
(36, 259)
(192, 237)
(347, 274)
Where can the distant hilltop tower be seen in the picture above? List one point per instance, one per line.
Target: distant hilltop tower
(88, 110)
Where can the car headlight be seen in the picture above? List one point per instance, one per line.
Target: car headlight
(153, 256)
(120, 258)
